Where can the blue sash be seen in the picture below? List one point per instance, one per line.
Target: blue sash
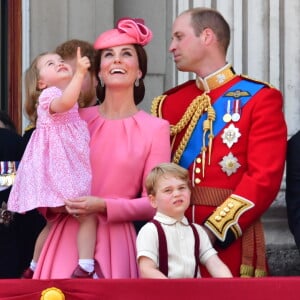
(194, 145)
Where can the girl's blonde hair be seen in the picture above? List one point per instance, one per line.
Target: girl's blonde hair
(165, 169)
(32, 92)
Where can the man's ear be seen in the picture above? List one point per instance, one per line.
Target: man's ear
(208, 35)
(152, 201)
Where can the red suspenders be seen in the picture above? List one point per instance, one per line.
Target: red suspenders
(163, 248)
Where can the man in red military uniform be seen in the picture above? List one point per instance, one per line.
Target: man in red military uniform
(229, 132)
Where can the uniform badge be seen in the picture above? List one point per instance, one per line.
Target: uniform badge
(229, 164)
(230, 135)
(221, 78)
(237, 94)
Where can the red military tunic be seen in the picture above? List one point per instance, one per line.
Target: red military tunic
(244, 175)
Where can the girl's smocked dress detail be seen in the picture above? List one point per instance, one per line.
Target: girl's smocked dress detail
(56, 162)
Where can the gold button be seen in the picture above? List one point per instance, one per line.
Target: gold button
(222, 213)
(226, 209)
(230, 205)
(218, 218)
(198, 160)
(197, 180)
(197, 170)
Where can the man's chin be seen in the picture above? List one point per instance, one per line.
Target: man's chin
(180, 67)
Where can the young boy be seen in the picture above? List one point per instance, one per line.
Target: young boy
(168, 246)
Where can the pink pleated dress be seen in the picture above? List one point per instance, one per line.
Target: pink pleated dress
(56, 163)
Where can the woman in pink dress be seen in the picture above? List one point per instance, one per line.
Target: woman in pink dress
(56, 163)
(126, 143)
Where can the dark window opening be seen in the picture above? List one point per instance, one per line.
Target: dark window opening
(11, 59)
(3, 57)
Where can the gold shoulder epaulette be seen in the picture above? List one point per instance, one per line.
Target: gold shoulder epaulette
(258, 81)
(156, 105)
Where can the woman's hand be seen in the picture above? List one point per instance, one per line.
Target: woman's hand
(85, 205)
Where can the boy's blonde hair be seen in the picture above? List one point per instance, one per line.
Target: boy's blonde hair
(165, 169)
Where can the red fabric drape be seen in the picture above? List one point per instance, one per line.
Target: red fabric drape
(138, 289)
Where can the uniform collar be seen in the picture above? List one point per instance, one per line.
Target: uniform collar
(162, 218)
(215, 79)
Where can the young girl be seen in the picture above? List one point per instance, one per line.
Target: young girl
(56, 164)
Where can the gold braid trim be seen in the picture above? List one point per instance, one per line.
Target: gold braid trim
(189, 113)
(260, 273)
(258, 81)
(246, 271)
(156, 105)
(197, 107)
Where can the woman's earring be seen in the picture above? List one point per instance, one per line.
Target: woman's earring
(137, 82)
(101, 82)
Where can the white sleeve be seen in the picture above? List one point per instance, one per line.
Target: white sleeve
(147, 242)
(206, 248)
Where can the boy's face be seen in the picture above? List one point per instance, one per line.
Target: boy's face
(172, 196)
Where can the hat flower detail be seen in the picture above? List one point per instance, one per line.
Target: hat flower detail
(127, 31)
(136, 29)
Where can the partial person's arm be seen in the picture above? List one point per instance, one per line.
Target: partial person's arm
(147, 248)
(70, 95)
(216, 267)
(148, 268)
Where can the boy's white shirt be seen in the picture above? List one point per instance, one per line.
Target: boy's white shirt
(180, 243)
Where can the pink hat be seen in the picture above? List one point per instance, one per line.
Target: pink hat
(128, 31)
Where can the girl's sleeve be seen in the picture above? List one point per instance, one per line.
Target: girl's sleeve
(47, 96)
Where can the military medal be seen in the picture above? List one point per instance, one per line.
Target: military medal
(3, 180)
(10, 180)
(229, 164)
(236, 114)
(227, 116)
(230, 135)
